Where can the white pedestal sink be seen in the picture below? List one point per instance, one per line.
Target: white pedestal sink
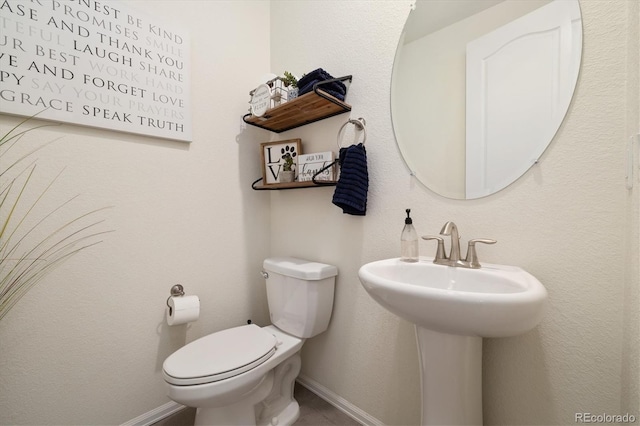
(453, 308)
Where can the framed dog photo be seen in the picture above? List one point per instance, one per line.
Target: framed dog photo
(277, 157)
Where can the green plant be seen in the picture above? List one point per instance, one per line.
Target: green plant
(288, 154)
(31, 243)
(289, 79)
(288, 162)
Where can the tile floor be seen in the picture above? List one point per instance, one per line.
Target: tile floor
(314, 411)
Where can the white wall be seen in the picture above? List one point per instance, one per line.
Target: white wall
(86, 345)
(565, 222)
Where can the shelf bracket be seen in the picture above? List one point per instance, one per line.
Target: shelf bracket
(290, 185)
(316, 174)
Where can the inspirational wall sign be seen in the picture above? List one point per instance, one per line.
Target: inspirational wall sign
(94, 63)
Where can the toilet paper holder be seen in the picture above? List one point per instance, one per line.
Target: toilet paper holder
(176, 290)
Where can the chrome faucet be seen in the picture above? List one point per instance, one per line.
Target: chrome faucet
(470, 261)
(451, 229)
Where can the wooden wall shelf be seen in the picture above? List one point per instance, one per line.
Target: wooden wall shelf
(308, 108)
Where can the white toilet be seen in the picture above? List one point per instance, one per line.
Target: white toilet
(245, 375)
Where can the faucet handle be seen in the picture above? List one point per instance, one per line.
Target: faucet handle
(472, 256)
(440, 256)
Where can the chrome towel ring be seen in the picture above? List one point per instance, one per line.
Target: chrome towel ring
(360, 125)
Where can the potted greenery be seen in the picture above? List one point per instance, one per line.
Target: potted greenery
(291, 83)
(287, 174)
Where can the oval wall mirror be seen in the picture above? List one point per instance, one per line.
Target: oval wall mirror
(480, 87)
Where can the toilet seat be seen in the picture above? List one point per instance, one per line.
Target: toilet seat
(219, 356)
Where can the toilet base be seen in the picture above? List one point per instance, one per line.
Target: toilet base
(237, 414)
(287, 417)
(280, 407)
(270, 403)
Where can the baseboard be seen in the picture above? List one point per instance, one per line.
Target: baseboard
(155, 415)
(339, 402)
(158, 414)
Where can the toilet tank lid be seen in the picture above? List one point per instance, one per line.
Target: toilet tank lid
(300, 268)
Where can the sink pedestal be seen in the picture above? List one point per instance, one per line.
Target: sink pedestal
(451, 378)
(463, 305)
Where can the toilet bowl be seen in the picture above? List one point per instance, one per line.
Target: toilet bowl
(245, 375)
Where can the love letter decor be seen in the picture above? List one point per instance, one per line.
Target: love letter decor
(273, 153)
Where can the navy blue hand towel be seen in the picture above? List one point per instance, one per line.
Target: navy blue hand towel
(353, 184)
(315, 75)
(336, 89)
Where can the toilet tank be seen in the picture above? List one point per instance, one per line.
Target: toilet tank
(300, 294)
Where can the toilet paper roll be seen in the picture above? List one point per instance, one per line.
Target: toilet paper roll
(182, 309)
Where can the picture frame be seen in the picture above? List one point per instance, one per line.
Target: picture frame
(309, 165)
(271, 154)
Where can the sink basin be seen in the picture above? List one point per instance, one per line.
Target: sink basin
(494, 301)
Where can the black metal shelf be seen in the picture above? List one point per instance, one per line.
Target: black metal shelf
(290, 185)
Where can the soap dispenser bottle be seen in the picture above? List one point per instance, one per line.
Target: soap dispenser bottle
(409, 241)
